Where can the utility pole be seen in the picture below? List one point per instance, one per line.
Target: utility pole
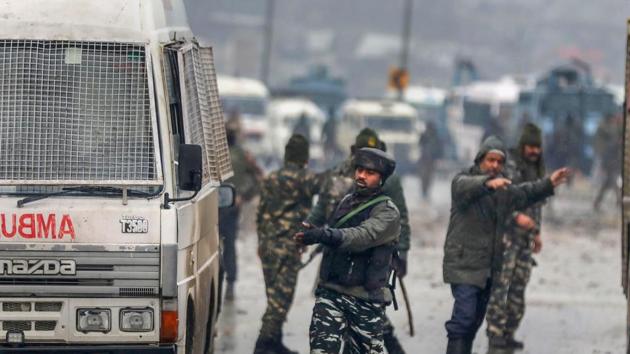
(268, 39)
(405, 41)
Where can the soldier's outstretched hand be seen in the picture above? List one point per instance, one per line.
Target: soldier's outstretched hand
(320, 235)
(498, 183)
(560, 176)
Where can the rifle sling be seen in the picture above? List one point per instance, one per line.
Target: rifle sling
(360, 208)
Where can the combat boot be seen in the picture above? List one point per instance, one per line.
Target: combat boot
(513, 343)
(457, 346)
(498, 342)
(263, 346)
(280, 348)
(392, 344)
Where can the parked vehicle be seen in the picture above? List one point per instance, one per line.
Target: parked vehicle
(396, 123)
(430, 102)
(113, 149)
(249, 99)
(568, 93)
(317, 85)
(480, 108)
(289, 115)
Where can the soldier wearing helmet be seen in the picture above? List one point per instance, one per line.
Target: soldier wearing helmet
(358, 249)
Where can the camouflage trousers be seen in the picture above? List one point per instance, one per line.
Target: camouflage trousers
(280, 270)
(337, 317)
(507, 300)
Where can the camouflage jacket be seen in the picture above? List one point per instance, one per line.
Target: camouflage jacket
(520, 171)
(286, 198)
(338, 181)
(247, 174)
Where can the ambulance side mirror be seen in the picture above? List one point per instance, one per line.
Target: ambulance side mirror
(190, 168)
(227, 195)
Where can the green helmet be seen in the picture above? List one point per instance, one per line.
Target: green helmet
(377, 160)
(366, 138)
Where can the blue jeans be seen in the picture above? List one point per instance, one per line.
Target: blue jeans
(468, 311)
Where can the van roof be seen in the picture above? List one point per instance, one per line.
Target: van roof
(379, 107)
(294, 107)
(89, 20)
(426, 95)
(240, 86)
(505, 90)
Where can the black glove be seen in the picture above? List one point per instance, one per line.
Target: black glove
(329, 237)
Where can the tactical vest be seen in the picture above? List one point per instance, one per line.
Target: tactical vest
(370, 268)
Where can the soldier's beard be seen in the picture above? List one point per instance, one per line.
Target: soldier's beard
(532, 158)
(363, 190)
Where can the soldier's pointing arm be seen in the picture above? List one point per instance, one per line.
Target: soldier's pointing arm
(528, 193)
(466, 189)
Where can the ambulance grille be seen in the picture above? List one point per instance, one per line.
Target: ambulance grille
(99, 273)
(39, 306)
(45, 325)
(48, 306)
(16, 325)
(16, 306)
(137, 292)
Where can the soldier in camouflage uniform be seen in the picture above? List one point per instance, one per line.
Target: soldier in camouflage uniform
(507, 300)
(285, 200)
(246, 178)
(358, 250)
(338, 182)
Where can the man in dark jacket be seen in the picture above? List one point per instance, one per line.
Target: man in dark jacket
(507, 300)
(483, 201)
(358, 249)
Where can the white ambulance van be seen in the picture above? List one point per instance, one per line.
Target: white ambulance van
(112, 154)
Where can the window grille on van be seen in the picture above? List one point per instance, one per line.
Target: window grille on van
(76, 113)
(203, 114)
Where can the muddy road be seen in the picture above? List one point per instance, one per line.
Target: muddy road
(575, 302)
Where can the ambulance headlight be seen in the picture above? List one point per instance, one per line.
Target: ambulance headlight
(136, 320)
(94, 320)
